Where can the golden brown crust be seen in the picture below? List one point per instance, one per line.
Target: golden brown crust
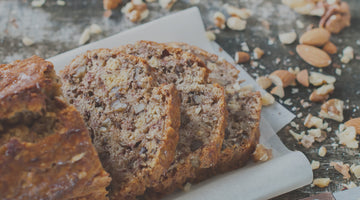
(59, 162)
(24, 88)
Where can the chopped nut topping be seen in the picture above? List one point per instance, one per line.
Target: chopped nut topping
(242, 57)
(264, 82)
(167, 4)
(307, 141)
(354, 123)
(85, 36)
(355, 169)
(315, 164)
(319, 79)
(297, 137)
(210, 35)
(287, 38)
(322, 151)
(336, 17)
(315, 132)
(235, 23)
(27, 41)
(258, 53)
(219, 20)
(261, 153)
(312, 121)
(278, 91)
(242, 13)
(303, 77)
(342, 168)
(267, 99)
(348, 138)
(321, 182)
(322, 93)
(282, 78)
(332, 109)
(135, 10)
(348, 55)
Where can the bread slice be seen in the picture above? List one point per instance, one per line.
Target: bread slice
(203, 111)
(244, 108)
(46, 150)
(133, 120)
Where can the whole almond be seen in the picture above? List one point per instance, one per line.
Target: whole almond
(282, 78)
(313, 56)
(315, 37)
(330, 48)
(355, 123)
(303, 78)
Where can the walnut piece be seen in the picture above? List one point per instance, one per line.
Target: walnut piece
(337, 16)
(312, 121)
(333, 109)
(342, 168)
(261, 153)
(135, 10)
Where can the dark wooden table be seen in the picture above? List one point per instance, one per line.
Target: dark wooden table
(56, 29)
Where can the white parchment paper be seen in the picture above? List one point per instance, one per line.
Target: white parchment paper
(285, 172)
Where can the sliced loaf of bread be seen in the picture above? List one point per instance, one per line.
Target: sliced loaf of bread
(134, 121)
(203, 112)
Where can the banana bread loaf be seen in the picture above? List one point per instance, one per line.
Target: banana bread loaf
(203, 111)
(46, 151)
(134, 121)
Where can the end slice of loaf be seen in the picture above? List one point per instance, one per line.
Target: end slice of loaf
(244, 108)
(46, 150)
(134, 121)
(203, 112)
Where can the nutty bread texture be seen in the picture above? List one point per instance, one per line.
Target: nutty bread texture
(46, 150)
(244, 108)
(133, 120)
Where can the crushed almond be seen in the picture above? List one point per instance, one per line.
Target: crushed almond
(267, 99)
(135, 10)
(312, 121)
(242, 13)
(278, 91)
(210, 35)
(219, 20)
(235, 23)
(85, 36)
(348, 138)
(317, 79)
(354, 123)
(287, 38)
(307, 141)
(264, 82)
(242, 57)
(258, 53)
(342, 168)
(315, 164)
(167, 4)
(322, 151)
(321, 182)
(297, 136)
(303, 77)
(355, 169)
(333, 109)
(261, 153)
(321, 94)
(348, 54)
(282, 78)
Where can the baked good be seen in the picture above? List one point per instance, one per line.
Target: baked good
(133, 120)
(202, 111)
(244, 108)
(46, 150)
